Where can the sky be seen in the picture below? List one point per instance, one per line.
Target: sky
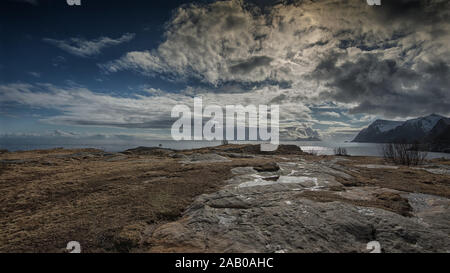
(118, 67)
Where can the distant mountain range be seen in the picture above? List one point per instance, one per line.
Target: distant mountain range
(432, 130)
(300, 133)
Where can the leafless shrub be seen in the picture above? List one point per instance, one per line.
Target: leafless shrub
(404, 154)
(339, 151)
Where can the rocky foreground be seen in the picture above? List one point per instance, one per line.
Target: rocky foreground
(230, 198)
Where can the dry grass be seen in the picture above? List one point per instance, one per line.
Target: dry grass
(387, 201)
(52, 199)
(403, 179)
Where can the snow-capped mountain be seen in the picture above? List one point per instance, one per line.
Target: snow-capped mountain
(426, 124)
(376, 130)
(301, 133)
(430, 129)
(386, 125)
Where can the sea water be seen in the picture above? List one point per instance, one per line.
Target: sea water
(316, 147)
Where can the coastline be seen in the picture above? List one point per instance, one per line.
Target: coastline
(319, 147)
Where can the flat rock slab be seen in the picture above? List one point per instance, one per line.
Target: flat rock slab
(283, 223)
(253, 214)
(432, 211)
(436, 169)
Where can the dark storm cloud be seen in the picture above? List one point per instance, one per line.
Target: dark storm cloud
(401, 9)
(250, 64)
(400, 68)
(380, 86)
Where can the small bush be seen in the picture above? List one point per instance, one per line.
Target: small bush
(339, 151)
(404, 154)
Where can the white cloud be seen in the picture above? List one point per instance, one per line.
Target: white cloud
(35, 74)
(86, 48)
(80, 106)
(330, 114)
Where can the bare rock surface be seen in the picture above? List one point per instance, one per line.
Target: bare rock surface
(304, 208)
(436, 169)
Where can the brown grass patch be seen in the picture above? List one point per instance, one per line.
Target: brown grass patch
(403, 179)
(387, 201)
(94, 201)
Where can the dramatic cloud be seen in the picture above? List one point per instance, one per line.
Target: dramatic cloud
(85, 48)
(331, 65)
(383, 87)
(81, 106)
(390, 60)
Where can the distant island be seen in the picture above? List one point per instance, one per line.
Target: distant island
(300, 133)
(433, 131)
